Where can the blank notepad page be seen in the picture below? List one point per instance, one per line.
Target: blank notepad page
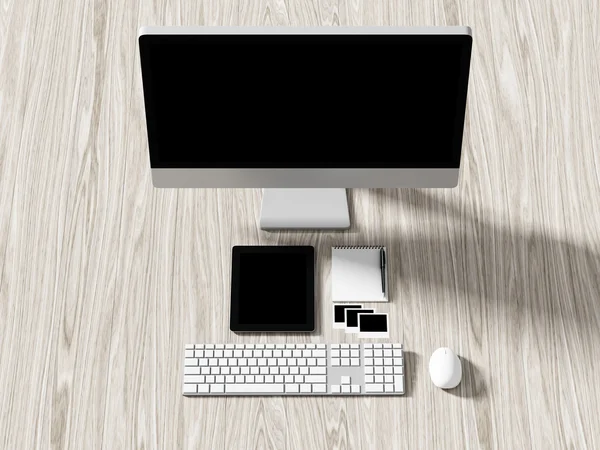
(356, 274)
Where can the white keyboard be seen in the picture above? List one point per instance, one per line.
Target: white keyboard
(293, 369)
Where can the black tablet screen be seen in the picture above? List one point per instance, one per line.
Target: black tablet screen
(272, 289)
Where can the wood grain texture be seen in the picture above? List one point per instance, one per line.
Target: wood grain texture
(103, 278)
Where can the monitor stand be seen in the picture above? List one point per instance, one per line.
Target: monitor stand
(323, 209)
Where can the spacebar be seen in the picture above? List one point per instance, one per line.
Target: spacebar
(254, 388)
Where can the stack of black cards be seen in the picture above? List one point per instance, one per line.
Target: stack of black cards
(365, 322)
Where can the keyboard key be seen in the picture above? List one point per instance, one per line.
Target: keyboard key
(389, 378)
(202, 362)
(213, 362)
(211, 346)
(335, 361)
(368, 361)
(254, 370)
(335, 389)
(311, 361)
(252, 362)
(378, 353)
(387, 345)
(229, 379)
(228, 354)
(269, 379)
(287, 353)
(369, 370)
(222, 361)
(278, 378)
(191, 371)
(321, 362)
(354, 353)
(397, 361)
(388, 353)
(277, 353)
(189, 389)
(289, 379)
(215, 371)
(345, 389)
(247, 353)
(373, 388)
(220, 346)
(354, 361)
(319, 388)
(377, 345)
(398, 353)
(315, 379)
(369, 378)
(299, 379)
(209, 353)
(344, 361)
(388, 370)
(379, 370)
(398, 370)
(281, 362)
(268, 353)
(239, 378)
(378, 378)
(264, 371)
(354, 345)
(335, 353)
(210, 378)
(294, 370)
(388, 361)
(205, 370)
(203, 388)
(305, 388)
(191, 361)
(368, 345)
(254, 388)
(218, 353)
(230, 346)
(355, 389)
(235, 370)
(322, 346)
(301, 346)
(273, 370)
(262, 362)
(257, 354)
(368, 353)
(301, 361)
(245, 370)
(272, 362)
(291, 361)
(189, 346)
(270, 346)
(389, 387)
(306, 353)
(194, 354)
(219, 379)
(397, 345)
(249, 378)
(249, 346)
(259, 346)
(317, 370)
(303, 370)
(344, 345)
(193, 379)
(399, 383)
(297, 353)
(292, 388)
(378, 361)
(319, 353)
(345, 353)
(335, 346)
(284, 370)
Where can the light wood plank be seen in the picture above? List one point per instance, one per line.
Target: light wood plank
(103, 278)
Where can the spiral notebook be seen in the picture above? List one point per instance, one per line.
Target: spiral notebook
(359, 274)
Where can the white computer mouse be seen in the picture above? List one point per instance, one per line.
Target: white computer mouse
(445, 369)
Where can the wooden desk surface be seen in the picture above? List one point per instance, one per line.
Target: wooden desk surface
(103, 278)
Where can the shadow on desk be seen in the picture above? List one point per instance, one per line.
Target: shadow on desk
(525, 276)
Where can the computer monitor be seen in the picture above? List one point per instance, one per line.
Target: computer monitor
(323, 108)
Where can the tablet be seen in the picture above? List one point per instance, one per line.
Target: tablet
(272, 289)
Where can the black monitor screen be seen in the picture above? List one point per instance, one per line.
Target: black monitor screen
(305, 101)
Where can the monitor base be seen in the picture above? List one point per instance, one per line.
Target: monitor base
(300, 209)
